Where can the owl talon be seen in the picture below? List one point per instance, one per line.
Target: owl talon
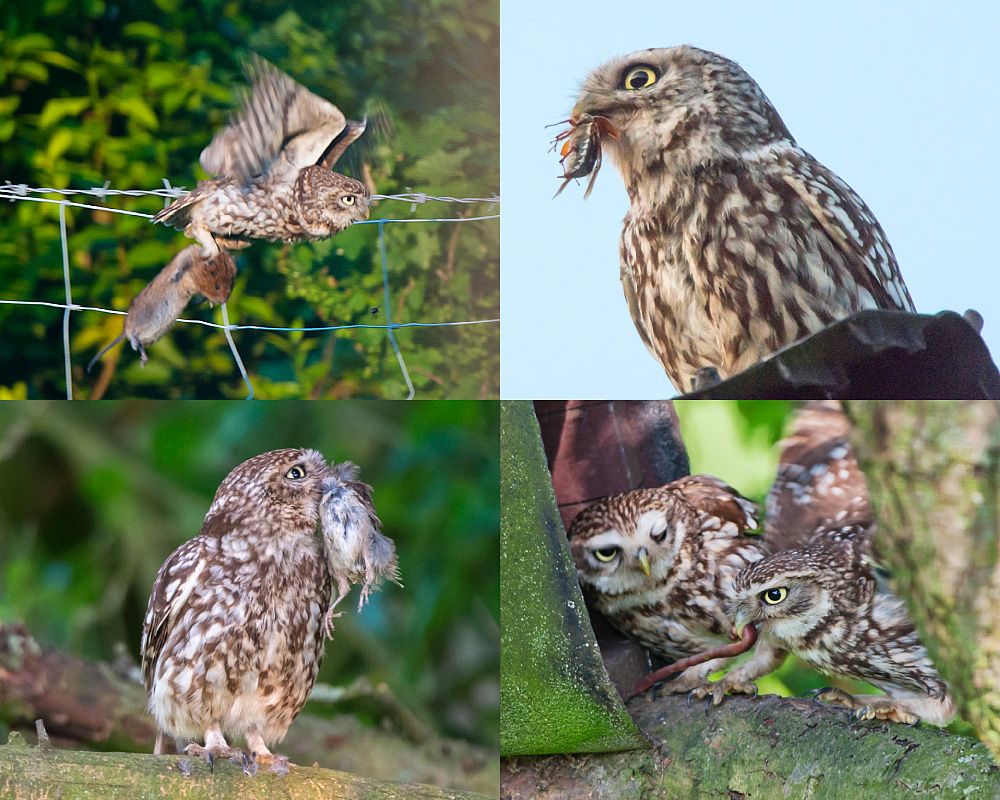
(690, 694)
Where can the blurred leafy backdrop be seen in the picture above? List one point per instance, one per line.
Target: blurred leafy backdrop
(94, 497)
(130, 92)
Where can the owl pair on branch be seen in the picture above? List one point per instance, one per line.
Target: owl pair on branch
(676, 569)
(234, 634)
(737, 242)
(274, 181)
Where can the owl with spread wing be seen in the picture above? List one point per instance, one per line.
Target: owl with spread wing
(273, 167)
(819, 596)
(274, 180)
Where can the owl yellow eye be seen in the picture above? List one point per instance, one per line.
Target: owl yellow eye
(640, 78)
(295, 473)
(774, 596)
(348, 199)
(606, 554)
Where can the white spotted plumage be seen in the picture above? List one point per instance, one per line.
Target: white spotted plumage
(233, 636)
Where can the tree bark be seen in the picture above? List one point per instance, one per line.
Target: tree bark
(90, 705)
(765, 749)
(45, 772)
(933, 470)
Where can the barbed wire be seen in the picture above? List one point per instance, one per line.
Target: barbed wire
(12, 191)
(20, 192)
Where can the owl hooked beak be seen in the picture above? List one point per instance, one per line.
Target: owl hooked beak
(737, 630)
(643, 556)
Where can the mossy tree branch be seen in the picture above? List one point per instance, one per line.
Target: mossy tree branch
(93, 705)
(766, 749)
(46, 772)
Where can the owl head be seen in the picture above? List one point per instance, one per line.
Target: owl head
(329, 202)
(793, 594)
(623, 542)
(677, 104)
(282, 487)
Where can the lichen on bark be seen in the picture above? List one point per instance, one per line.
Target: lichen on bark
(555, 692)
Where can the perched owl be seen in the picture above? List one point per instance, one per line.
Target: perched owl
(233, 637)
(825, 604)
(737, 242)
(273, 164)
(658, 563)
(819, 596)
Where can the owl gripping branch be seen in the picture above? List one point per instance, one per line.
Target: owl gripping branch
(674, 568)
(234, 633)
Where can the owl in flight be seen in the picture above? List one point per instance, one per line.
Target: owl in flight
(273, 167)
(274, 181)
(737, 242)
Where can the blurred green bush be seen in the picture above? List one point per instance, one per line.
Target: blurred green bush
(94, 497)
(129, 93)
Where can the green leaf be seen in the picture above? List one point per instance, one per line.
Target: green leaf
(59, 108)
(138, 110)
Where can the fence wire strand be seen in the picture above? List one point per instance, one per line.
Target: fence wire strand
(19, 192)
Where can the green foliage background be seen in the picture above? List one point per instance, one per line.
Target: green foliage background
(94, 91)
(94, 497)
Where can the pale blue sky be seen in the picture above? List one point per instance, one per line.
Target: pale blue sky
(899, 99)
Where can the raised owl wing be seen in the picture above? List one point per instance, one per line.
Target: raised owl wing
(850, 225)
(819, 486)
(714, 498)
(280, 128)
(174, 583)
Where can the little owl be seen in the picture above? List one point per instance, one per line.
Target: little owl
(819, 596)
(657, 563)
(273, 164)
(737, 242)
(233, 637)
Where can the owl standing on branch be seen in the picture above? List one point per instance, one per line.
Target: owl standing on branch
(673, 569)
(233, 636)
(737, 242)
(819, 596)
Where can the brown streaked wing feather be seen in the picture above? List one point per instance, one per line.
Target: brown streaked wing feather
(819, 484)
(181, 566)
(178, 213)
(850, 225)
(280, 128)
(714, 497)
